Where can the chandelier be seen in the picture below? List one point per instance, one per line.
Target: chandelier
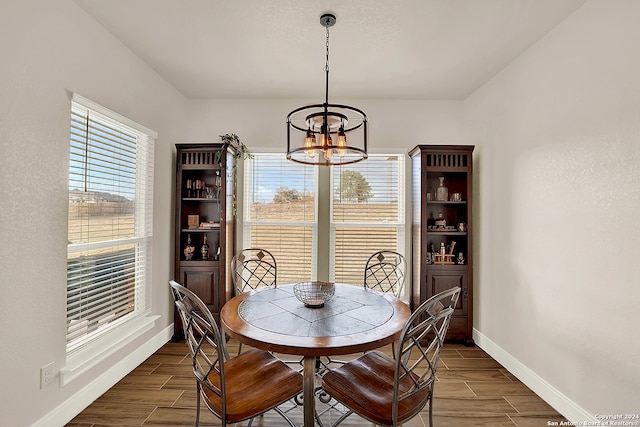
(323, 128)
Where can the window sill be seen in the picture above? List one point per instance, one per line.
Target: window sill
(92, 354)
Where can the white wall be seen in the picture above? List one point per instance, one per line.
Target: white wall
(50, 49)
(558, 178)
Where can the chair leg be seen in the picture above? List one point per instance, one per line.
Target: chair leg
(239, 348)
(197, 404)
(431, 409)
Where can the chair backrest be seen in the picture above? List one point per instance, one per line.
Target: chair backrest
(418, 351)
(206, 345)
(253, 268)
(385, 271)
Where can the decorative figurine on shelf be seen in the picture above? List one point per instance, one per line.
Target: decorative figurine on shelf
(189, 249)
(460, 258)
(204, 250)
(216, 257)
(440, 221)
(445, 255)
(442, 192)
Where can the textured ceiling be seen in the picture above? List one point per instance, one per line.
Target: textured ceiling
(386, 49)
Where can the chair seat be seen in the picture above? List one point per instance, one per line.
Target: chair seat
(366, 385)
(256, 381)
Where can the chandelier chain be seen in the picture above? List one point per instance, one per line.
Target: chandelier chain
(326, 65)
(326, 70)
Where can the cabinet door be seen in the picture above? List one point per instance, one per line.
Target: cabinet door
(204, 283)
(441, 280)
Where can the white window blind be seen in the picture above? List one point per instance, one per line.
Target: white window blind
(367, 214)
(280, 214)
(110, 221)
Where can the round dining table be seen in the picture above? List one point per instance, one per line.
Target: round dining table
(354, 320)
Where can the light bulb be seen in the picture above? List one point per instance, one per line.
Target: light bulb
(341, 142)
(309, 142)
(325, 140)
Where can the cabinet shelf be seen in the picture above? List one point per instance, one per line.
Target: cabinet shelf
(447, 232)
(448, 267)
(444, 202)
(199, 230)
(200, 200)
(201, 168)
(199, 263)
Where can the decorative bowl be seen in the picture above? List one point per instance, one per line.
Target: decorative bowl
(314, 294)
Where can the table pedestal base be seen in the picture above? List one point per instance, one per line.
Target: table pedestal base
(308, 388)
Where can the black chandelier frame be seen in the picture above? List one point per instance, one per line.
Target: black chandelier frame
(327, 125)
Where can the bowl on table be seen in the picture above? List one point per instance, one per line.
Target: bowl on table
(314, 294)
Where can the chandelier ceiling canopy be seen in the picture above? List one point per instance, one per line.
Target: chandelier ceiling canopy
(320, 131)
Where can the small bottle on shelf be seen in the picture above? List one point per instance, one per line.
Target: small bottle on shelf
(188, 249)
(204, 250)
(442, 192)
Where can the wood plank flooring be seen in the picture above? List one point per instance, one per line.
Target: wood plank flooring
(472, 390)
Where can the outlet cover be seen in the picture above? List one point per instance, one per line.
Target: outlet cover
(46, 374)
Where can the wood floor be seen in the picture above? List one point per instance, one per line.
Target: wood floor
(472, 390)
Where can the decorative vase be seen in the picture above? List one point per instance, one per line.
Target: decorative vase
(189, 249)
(442, 192)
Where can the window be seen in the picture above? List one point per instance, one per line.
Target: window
(109, 222)
(280, 214)
(367, 213)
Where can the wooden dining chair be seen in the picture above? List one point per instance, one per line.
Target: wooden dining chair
(389, 391)
(385, 271)
(233, 389)
(253, 268)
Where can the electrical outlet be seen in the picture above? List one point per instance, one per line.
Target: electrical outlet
(46, 374)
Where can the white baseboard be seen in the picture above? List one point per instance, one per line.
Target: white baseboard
(67, 410)
(561, 403)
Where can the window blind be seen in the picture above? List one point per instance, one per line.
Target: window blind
(367, 214)
(281, 215)
(110, 221)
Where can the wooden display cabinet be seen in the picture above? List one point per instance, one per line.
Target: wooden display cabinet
(443, 222)
(204, 208)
